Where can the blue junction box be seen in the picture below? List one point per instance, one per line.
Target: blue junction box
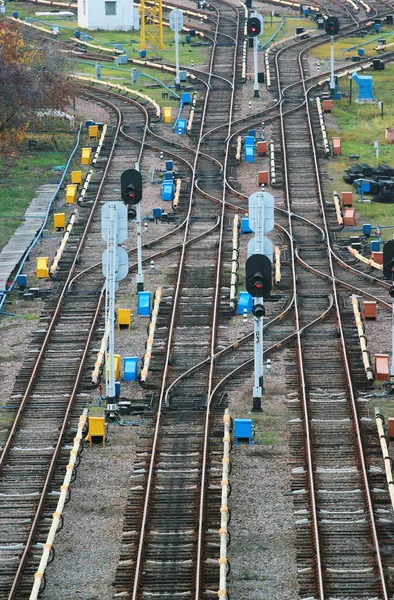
(245, 225)
(367, 229)
(144, 304)
(375, 246)
(249, 154)
(169, 175)
(157, 212)
(249, 140)
(169, 165)
(167, 190)
(365, 187)
(21, 281)
(117, 388)
(186, 98)
(130, 368)
(361, 51)
(243, 430)
(245, 301)
(181, 126)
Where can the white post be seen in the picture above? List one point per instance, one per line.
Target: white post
(177, 76)
(258, 321)
(140, 276)
(332, 79)
(256, 68)
(112, 235)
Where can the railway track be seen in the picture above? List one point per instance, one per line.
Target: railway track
(47, 409)
(163, 552)
(338, 545)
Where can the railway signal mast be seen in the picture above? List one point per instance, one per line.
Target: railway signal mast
(115, 268)
(259, 279)
(131, 190)
(331, 27)
(176, 25)
(255, 26)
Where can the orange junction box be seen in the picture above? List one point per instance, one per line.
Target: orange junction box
(349, 217)
(381, 367)
(391, 427)
(369, 310)
(336, 146)
(262, 177)
(377, 257)
(327, 106)
(347, 198)
(262, 148)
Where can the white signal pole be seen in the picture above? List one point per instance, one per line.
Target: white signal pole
(110, 290)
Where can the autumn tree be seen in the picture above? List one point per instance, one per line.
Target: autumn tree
(31, 80)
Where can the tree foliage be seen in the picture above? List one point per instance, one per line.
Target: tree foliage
(31, 80)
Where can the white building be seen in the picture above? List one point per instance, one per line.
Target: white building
(106, 14)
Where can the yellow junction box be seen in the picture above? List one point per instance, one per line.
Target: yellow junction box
(71, 193)
(59, 221)
(116, 365)
(42, 271)
(167, 114)
(93, 132)
(76, 177)
(86, 156)
(96, 429)
(124, 318)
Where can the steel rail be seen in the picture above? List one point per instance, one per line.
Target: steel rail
(26, 396)
(167, 356)
(320, 582)
(367, 493)
(277, 346)
(316, 540)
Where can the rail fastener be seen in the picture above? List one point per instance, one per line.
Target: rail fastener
(62, 246)
(367, 261)
(386, 457)
(85, 186)
(363, 340)
(120, 88)
(267, 70)
(224, 511)
(151, 335)
(338, 208)
(178, 185)
(278, 275)
(239, 148)
(47, 547)
(271, 154)
(323, 126)
(234, 261)
(100, 145)
(98, 365)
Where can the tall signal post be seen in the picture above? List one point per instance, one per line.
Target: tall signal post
(131, 190)
(331, 27)
(115, 268)
(254, 28)
(259, 279)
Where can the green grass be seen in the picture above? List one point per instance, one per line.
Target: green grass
(269, 426)
(358, 126)
(342, 46)
(20, 177)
